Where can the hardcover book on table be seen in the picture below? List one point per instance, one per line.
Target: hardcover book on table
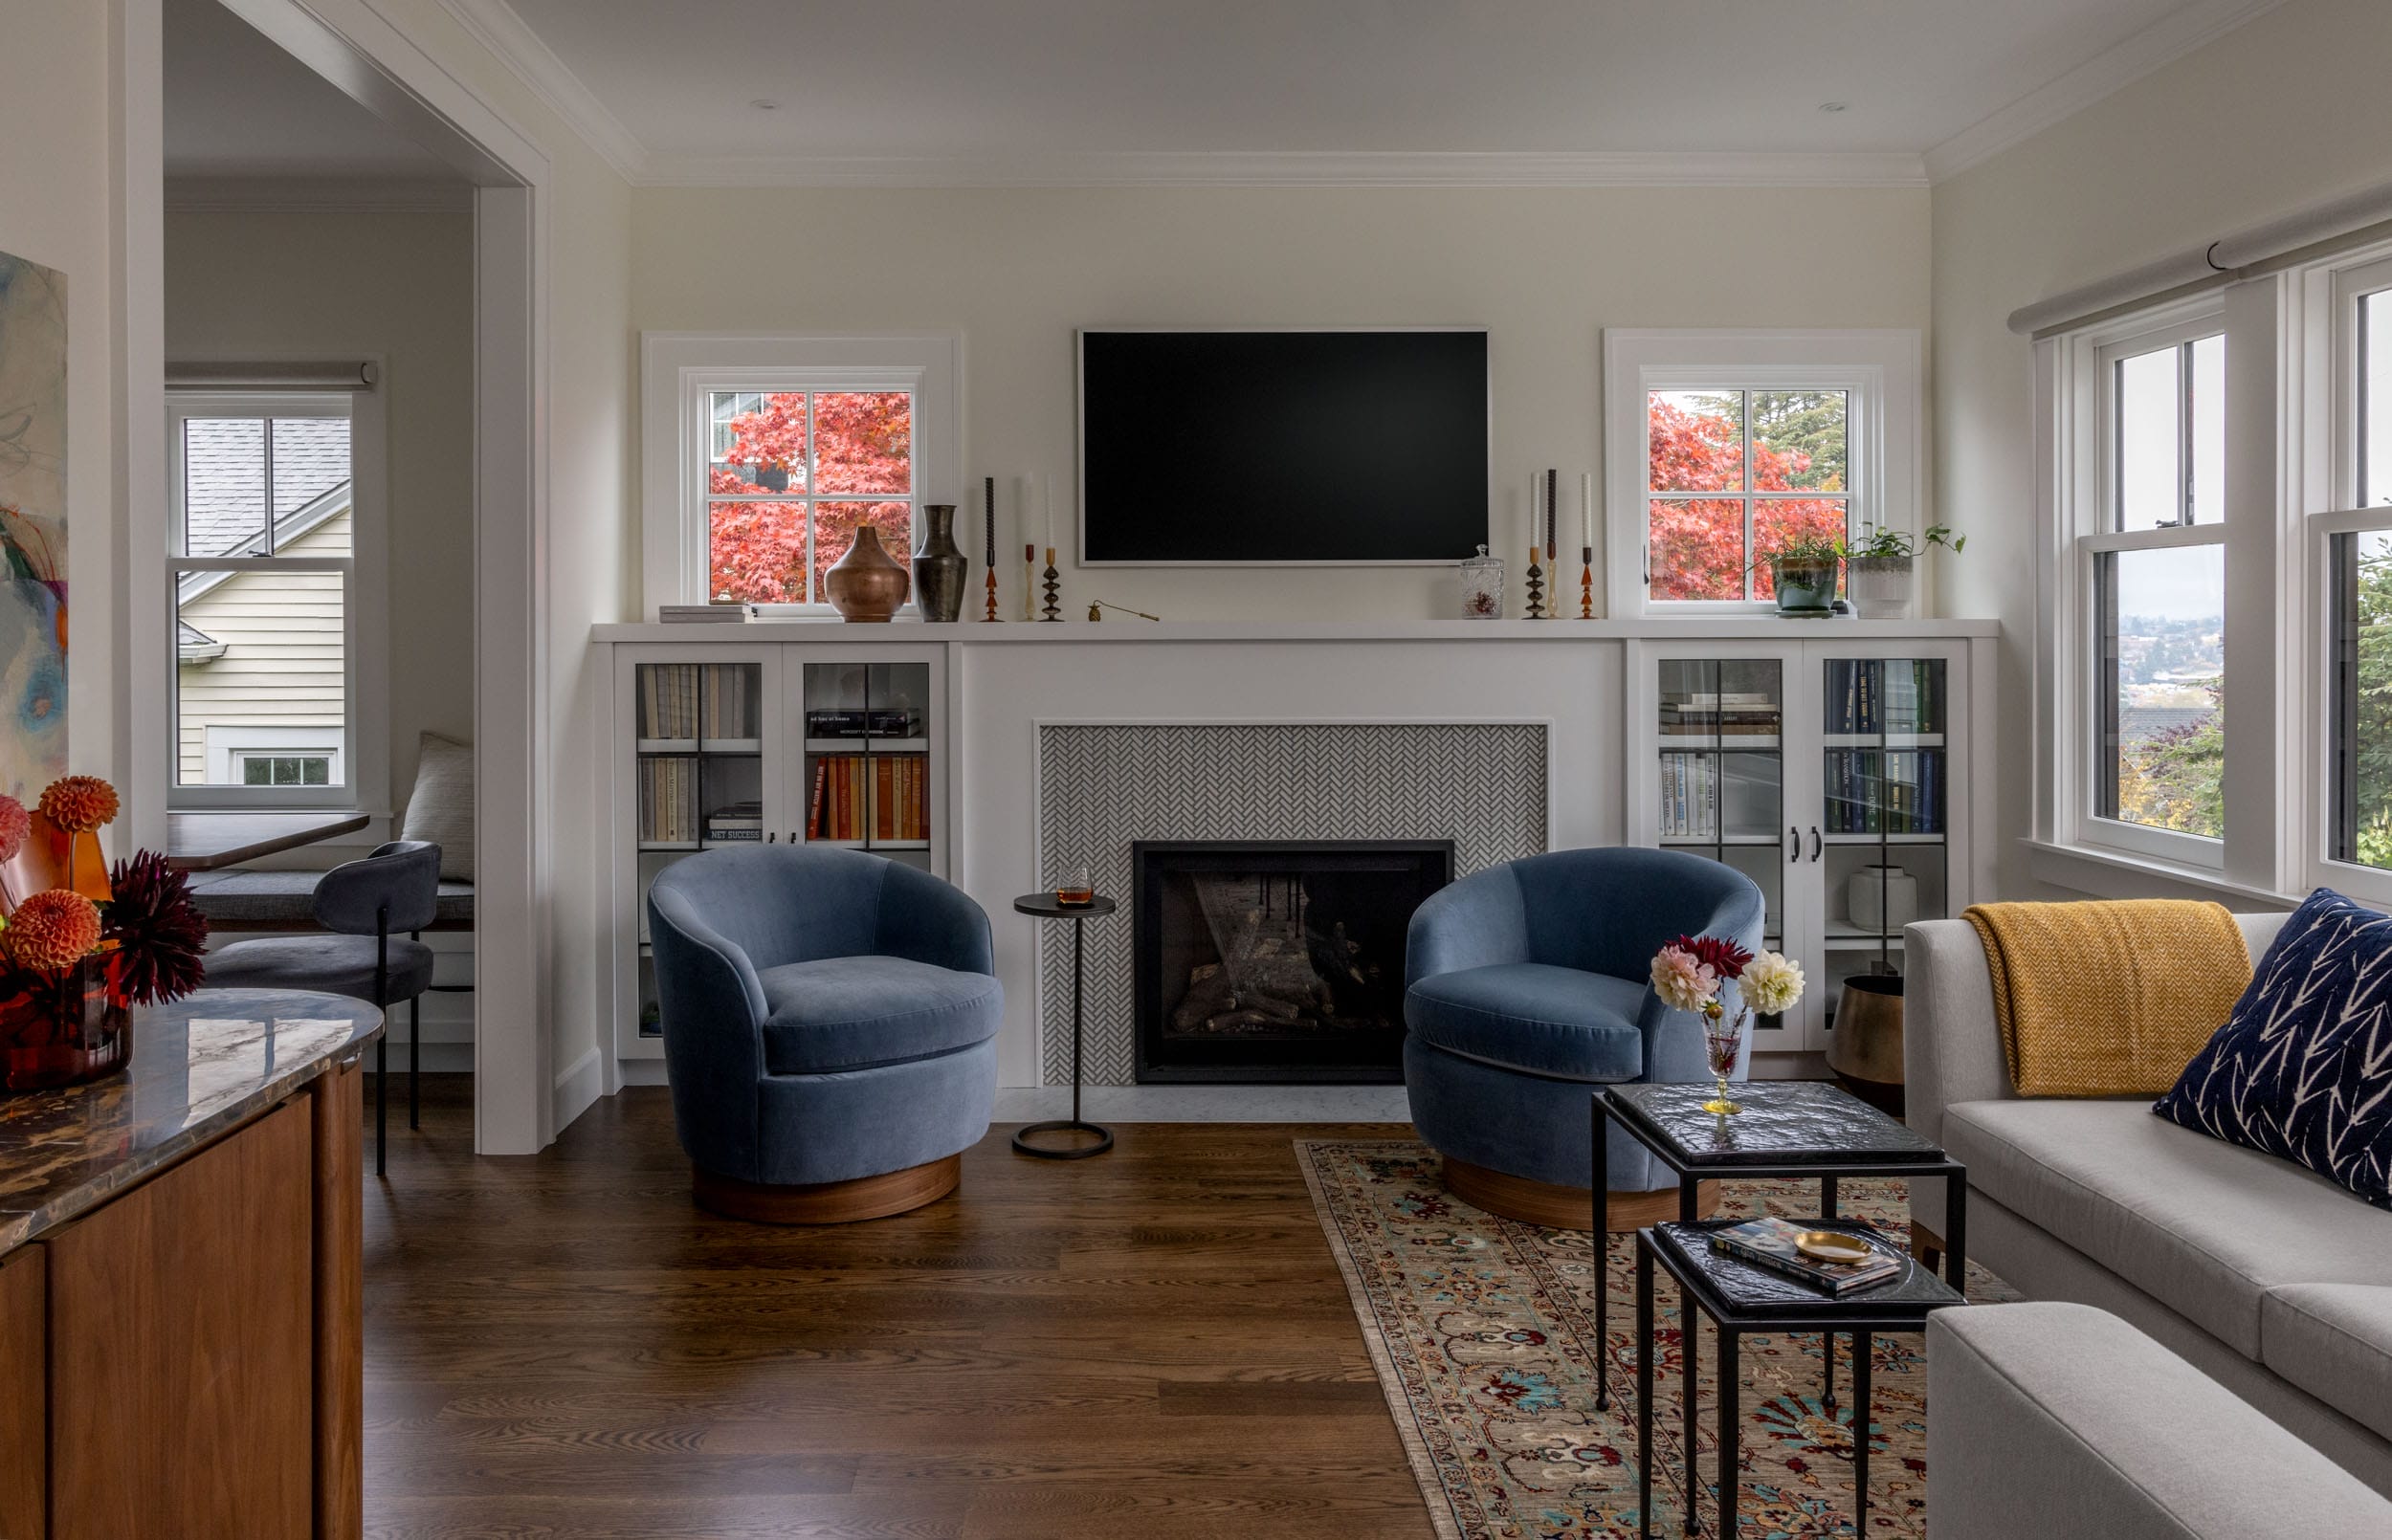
(1772, 1243)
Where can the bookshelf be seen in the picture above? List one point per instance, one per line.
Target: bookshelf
(731, 744)
(1812, 765)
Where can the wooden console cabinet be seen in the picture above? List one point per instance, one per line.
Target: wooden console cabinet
(182, 1356)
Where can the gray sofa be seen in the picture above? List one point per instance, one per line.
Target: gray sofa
(2060, 1422)
(2267, 1278)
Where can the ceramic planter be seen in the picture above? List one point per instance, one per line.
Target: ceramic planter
(1803, 587)
(867, 583)
(938, 566)
(1880, 587)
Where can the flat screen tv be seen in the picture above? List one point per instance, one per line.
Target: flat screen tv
(1282, 448)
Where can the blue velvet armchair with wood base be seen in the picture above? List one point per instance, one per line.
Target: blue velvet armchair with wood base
(1527, 985)
(830, 1028)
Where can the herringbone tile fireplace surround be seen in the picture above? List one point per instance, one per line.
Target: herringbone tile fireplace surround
(1481, 784)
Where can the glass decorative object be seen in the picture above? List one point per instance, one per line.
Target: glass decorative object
(1074, 886)
(63, 1027)
(1482, 587)
(1723, 1035)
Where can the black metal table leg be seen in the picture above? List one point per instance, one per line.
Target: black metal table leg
(414, 1059)
(1644, 1388)
(1860, 1432)
(382, 1104)
(1730, 1415)
(1689, 1334)
(1689, 1189)
(1956, 1224)
(1104, 1136)
(1600, 1242)
(1827, 1342)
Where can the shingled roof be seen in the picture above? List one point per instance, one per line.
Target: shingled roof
(224, 479)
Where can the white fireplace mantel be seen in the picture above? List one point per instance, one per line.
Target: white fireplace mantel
(1014, 632)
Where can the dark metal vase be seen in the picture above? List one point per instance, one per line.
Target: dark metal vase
(940, 566)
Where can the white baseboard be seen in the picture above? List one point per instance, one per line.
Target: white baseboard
(577, 1087)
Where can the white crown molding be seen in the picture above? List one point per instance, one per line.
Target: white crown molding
(496, 26)
(1630, 169)
(2163, 42)
(315, 195)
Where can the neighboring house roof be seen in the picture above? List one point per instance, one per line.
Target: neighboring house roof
(224, 479)
(192, 644)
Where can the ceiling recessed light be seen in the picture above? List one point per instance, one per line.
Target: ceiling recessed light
(1825, 107)
(766, 104)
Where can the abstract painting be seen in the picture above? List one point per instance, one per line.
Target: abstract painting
(32, 526)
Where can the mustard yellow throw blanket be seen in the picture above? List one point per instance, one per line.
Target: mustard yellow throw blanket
(2109, 998)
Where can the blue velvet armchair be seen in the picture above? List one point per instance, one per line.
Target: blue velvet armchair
(829, 1026)
(1526, 986)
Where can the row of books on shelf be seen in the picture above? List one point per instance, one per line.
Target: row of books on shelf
(1724, 714)
(1884, 791)
(858, 797)
(877, 722)
(1885, 696)
(1689, 797)
(668, 799)
(689, 701)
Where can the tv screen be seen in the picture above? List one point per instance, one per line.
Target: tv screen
(1233, 447)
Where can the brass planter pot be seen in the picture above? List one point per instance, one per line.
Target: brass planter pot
(867, 583)
(1865, 1050)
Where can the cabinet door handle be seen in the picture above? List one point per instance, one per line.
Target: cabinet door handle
(1793, 842)
(1816, 842)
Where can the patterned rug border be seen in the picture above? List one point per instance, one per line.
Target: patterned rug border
(1400, 1410)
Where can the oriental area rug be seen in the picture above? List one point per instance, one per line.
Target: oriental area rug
(1482, 1331)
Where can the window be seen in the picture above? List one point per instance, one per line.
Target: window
(1738, 442)
(263, 542)
(764, 456)
(2357, 537)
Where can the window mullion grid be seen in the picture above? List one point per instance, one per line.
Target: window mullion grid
(813, 492)
(1744, 415)
(267, 423)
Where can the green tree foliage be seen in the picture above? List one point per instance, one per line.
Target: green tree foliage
(2370, 762)
(2176, 779)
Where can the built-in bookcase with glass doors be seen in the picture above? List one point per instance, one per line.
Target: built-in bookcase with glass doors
(731, 745)
(1817, 768)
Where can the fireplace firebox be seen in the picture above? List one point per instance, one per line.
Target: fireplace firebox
(1261, 960)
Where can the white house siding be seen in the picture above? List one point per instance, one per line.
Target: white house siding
(282, 663)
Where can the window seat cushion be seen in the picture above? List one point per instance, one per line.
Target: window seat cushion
(244, 900)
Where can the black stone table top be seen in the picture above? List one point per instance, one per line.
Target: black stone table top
(200, 1067)
(1047, 907)
(1739, 1290)
(1784, 1123)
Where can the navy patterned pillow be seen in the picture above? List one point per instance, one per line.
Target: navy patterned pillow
(2302, 1068)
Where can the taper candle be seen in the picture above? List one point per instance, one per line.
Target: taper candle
(1553, 490)
(1536, 518)
(1586, 504)
(989, 506)
(1051, 517)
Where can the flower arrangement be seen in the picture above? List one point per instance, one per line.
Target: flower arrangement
(75, 955)
(1691, 974)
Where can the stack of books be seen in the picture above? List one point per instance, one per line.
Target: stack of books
(705, 614)
(739, 821)
(1770, 1243)
(1723, 713)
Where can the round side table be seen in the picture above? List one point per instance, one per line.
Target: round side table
(1044, 907)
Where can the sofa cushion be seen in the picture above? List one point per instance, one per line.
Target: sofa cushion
(1533, 1016)
(848, 1013)
(2299, 1069)
(440, 807)
(2204, 1227)
(2334, 1341)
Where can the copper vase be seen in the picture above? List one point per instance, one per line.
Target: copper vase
(867, 583)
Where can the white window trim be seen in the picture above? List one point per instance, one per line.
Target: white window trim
(227, 743)
(366, 605)
(1881, 368)
(678, 371)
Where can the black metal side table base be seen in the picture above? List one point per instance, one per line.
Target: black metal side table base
(1105, 1139)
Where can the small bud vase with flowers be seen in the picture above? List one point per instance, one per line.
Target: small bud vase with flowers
(80, 951)
(1692, 973)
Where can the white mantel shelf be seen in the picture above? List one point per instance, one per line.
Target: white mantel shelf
(1761, 628)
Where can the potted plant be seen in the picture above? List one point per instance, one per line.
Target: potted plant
(1802, 571)
(1878, 570)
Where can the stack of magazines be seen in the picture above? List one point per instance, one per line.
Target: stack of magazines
(1770, 1243)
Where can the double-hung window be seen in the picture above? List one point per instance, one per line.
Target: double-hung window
(2151, 554)
(2358, 539)
(1724, 447)
(766, 455)
(261, 583)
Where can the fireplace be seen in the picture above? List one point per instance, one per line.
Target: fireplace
(1275, 961)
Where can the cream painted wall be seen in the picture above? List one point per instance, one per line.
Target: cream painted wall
(2279, 114)
(1016, 270)
(56, 176)
(339, 286)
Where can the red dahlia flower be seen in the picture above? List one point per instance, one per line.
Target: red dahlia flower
(1717, 953)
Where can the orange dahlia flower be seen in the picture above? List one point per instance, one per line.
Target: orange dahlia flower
(15, 825)
(78, 803)
(52, 930)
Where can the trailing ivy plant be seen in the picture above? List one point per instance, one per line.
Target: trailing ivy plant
(1899, 544)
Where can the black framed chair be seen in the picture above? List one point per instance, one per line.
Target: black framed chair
(369, 906)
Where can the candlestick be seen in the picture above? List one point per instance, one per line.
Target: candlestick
(1587, 503)
(1029, 579)
(989, 490)
(1054, 610)
(1536, 584)
(1586, 581)
(1552, 488)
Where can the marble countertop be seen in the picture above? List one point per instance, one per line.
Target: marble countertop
(202, 1067)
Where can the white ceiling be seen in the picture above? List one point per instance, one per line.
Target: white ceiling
(902, 87)
(237, 105)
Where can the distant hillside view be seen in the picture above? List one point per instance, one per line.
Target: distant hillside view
(2171, 732)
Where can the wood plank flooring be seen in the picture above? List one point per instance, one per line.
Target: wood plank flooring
(1152, 1344)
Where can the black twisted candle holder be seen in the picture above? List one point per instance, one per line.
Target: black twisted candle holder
(1053, 610)
(1536, 586)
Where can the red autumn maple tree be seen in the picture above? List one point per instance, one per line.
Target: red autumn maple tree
(863, 443)
(1698, 542)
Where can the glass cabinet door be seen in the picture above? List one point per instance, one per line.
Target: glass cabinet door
(1720, 771)
(698, 775)
(1885, 854)
(867, 759)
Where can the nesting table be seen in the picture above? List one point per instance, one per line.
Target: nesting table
(1046, 906)
(1788, 1128)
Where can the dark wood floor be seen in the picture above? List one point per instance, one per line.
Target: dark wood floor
(1153, 1344)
